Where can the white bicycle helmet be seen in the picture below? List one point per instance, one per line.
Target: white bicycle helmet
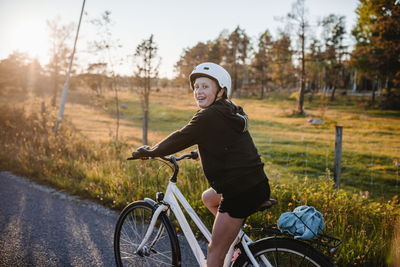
(213, 71)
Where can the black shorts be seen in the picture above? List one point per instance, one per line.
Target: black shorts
(247, 202)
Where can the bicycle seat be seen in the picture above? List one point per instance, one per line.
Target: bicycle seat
(267, 204)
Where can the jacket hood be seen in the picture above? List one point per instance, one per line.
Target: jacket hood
(234, 114)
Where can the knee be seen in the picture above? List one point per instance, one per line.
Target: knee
(204, 196)
(210, 197)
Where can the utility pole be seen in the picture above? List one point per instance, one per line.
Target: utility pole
(66, 85)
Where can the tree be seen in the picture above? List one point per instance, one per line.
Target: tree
(95, 77)
(19, 72)
(59, 53)
(106, 46)
(298, 16)
(377, 50)
(237, 46)
(190, 58)
(147, 64)
(282, 70)
(164, 82)
(216, 50)
(315, 66)
(262, 60)
(334, 30)
(13, 71)
(211, 51)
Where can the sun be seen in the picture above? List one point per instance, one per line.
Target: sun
(30, 36)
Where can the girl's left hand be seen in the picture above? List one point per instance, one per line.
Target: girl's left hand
(141, 152)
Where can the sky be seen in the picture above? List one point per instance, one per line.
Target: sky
(175, 24)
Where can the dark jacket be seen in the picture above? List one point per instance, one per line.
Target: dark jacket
(229, 157)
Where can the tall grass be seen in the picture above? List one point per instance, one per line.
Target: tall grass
(291, 146)
(99, 171)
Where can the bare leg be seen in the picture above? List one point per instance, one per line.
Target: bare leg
(211, 200)
(224, 232)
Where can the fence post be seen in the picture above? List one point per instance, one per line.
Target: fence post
(338, 155)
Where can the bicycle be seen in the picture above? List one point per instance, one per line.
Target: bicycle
(145, 236)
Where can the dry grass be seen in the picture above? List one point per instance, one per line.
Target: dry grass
(396, 245)
(98, 170)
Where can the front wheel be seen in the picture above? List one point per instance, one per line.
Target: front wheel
(284, 252)
(161, 249)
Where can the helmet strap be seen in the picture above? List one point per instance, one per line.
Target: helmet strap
(216, 95)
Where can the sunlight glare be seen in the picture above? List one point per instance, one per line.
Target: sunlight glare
(31, 37)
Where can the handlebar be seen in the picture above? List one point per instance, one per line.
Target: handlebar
(192, 155)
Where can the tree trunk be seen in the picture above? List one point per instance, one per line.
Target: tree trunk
(262, 86)
(145, 121)
(146, 110)
(262, 92)
(354, 89)
(55, 89)
(333, 89)
(300, 103)
(234, 80)
(388, 98)
(333, 93)
(117, 108)
(375, 84)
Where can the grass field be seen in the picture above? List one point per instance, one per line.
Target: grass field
(84, 160)
(291, 145)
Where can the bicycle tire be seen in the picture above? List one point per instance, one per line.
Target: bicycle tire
(284, 252)
(162, 248)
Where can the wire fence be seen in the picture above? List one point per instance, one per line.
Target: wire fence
(366, 166)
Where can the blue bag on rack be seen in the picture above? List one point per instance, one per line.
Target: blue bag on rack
(304, 222)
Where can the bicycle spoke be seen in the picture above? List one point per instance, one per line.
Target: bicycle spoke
(129, 243)
(124, 252)
(125, 234)
(274, 254)
(163, 254)
(159, 262)
(132, 227)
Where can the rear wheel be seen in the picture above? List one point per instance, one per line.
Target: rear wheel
(162, 247)
(283, 252)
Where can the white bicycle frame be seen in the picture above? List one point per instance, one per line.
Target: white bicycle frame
(172, 194)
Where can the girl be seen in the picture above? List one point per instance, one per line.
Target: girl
(229, 157)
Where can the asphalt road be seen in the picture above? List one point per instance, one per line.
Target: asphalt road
(43, 227)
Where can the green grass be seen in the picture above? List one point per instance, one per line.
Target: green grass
(371, 143)
(162, 119)
(299, 176)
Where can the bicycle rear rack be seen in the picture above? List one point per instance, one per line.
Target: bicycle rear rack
(327, 244)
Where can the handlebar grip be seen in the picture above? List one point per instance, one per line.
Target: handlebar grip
(134, 158)
(194, 154)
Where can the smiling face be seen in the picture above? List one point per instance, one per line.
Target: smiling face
(204, 91)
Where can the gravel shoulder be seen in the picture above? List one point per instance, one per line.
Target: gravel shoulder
(40, 226)
(43, 227)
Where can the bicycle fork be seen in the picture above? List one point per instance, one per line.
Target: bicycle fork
(142, 249)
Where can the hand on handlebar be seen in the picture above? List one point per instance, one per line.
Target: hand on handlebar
(195, 155)
(144, 152)
(141, 153)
